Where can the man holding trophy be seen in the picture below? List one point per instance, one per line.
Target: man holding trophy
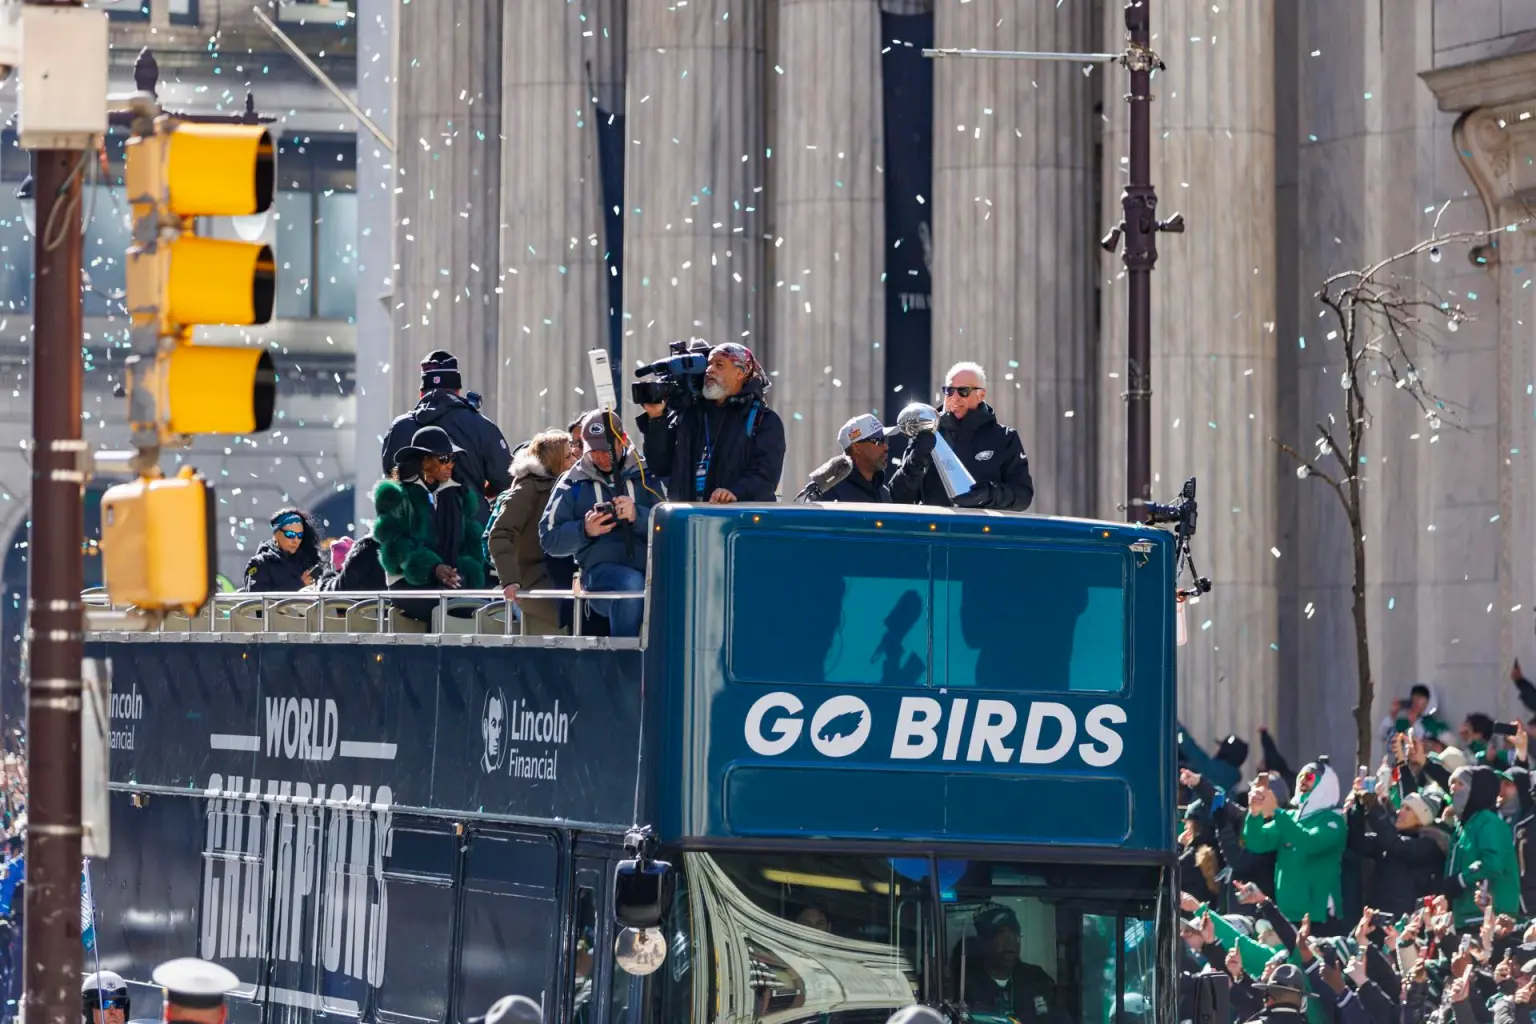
(963, 457)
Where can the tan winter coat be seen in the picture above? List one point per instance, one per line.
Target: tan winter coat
(513, 540)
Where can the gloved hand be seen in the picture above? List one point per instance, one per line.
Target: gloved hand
(979, 496)
(920, 448)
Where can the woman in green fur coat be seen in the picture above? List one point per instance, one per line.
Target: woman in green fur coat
(427, 527)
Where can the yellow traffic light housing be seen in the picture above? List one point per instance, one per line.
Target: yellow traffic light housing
(157, 542)
(179, 173)
(176, 173)
(203, 389)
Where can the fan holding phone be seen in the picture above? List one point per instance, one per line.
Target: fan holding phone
(1482, 848)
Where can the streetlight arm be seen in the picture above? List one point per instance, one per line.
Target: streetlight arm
(1070, 58)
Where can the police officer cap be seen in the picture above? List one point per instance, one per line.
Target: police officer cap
(108, 983)
(917, 1015)
(194, 983)
(1286, 978)
(511, 1010)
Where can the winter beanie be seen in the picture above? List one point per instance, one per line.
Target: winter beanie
(1422, 812)
(440, 370)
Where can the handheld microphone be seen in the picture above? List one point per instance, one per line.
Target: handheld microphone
(826, 476)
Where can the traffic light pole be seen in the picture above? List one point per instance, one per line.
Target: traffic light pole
(55, 620)
(1140, 227)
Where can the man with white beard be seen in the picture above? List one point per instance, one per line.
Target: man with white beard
(727, 447)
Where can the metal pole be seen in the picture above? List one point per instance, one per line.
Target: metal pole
(1139, 228)
(55, 615)
(1140, 225)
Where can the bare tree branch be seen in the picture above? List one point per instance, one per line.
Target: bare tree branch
(1312, 469)
(1379, 319)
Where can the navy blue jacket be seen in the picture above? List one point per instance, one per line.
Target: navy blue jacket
(856, 488)
(485, 467)
(747, 467)
(992, 452)
(562, 530)
(273, 570)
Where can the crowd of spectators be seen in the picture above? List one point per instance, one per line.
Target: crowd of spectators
(1401, 892)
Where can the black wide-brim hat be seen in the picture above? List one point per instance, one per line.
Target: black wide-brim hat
(427, 441)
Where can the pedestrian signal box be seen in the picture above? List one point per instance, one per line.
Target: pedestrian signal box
(157, 542)
(177, 280)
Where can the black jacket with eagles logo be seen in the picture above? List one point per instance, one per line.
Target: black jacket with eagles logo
(1028, 995)
(992, 452)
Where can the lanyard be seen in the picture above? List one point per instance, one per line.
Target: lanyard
(701, 471)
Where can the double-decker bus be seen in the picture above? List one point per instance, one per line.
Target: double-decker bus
(891, 754)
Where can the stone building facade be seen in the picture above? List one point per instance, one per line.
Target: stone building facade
(793, 174)
(795, 177)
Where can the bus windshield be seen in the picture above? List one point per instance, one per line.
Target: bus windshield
(782, 938)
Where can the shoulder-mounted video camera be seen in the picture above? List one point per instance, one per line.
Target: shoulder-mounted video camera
(677, 379)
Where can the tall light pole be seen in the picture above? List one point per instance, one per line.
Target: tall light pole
(1139, 227)
(56, 576)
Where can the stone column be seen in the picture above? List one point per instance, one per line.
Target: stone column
(1363, 146)
(1496, 140)
(448, 157)
(1013, 220)
(828, 196)
(1213, 342)
(553, 295)
(695, 175)
(375, 247)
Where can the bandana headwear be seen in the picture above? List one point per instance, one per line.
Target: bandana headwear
(287, 519)
(744, 360)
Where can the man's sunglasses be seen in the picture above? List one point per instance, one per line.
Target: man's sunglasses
(115, 1003)
(293, 535)
(963, 392)
(877, 439)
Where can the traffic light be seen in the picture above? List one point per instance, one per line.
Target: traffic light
(177, 280)
(157, 533)
(157, 542)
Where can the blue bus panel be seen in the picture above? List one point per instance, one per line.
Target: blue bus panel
(912, 674)
(528, 732)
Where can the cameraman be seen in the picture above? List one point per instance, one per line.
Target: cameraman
(728, 447)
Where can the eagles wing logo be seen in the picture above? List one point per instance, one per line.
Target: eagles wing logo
(843, 725)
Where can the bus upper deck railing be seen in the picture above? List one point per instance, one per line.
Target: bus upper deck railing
(356, 614)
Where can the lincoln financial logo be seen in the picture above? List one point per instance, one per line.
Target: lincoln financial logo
(492, 719)
(127, 711)
(524, 738)
(293, 870)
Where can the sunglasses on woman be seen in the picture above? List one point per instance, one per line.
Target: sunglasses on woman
(963, 392)
(293, 534)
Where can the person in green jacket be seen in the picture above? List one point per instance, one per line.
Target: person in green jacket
(1307, 840)
(1482, 849)
(427, 527)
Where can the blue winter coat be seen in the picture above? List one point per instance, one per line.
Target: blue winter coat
(562, 531)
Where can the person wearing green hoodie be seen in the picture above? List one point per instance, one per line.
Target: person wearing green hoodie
(1482, 849)
(1307, 840)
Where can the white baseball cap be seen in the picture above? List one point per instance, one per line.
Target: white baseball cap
(862, 428)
